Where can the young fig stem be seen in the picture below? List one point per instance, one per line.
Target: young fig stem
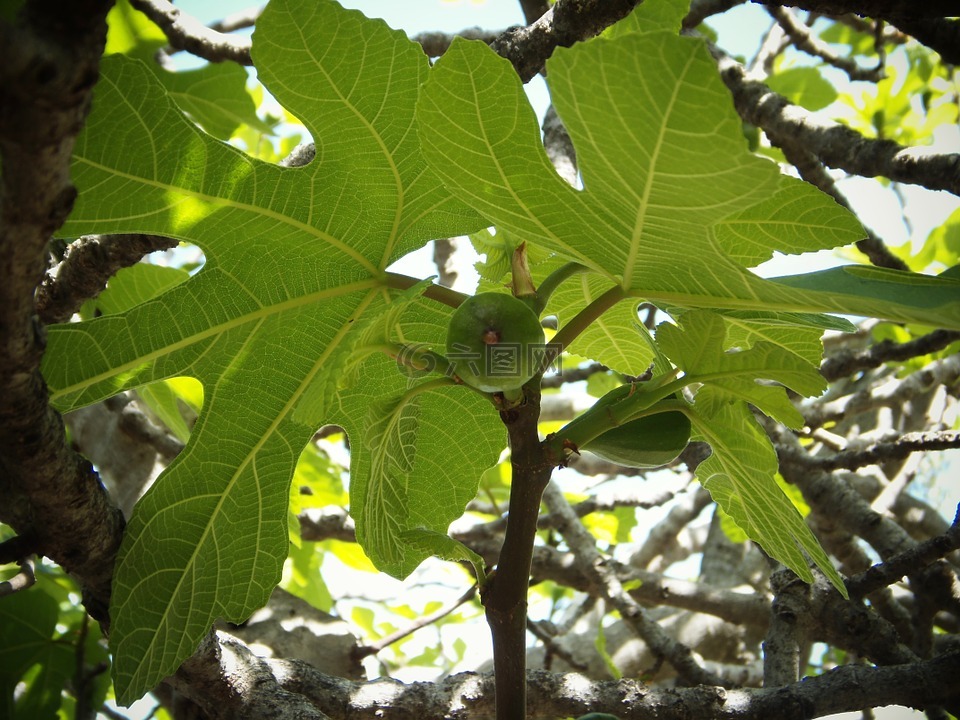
(554, 280)
(581, 321)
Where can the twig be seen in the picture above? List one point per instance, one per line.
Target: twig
(906, 563)
(593, 566)
(573, 375)
(804, 40)
(23, 579)
(548, 637)
(896, 449)
(846, 363)
(940, 372)
(421, 622)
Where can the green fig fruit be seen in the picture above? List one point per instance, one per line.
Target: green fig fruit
(494, 342)
(647, 442)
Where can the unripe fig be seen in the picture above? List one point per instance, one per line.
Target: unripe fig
(492, 341)
(647, 442)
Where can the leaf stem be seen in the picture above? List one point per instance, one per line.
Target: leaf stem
(442, 294)
(581, 321)
(554, 280)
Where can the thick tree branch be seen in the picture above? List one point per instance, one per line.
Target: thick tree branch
(876, 8)
(567, 22)
(236, 684)
(700, 10)
(837, 146)
(938, 34)
(48, 66)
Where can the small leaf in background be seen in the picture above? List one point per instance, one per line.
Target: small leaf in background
(803, 86)
(302, 577)
(30, 652)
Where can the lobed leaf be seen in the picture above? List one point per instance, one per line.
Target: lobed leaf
(674, 208)
(294, 259)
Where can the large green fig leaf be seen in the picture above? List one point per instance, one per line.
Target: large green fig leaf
(675, 211)
(674, 208)
(272, 325)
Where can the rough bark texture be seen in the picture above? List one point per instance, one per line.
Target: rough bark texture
(48, 66)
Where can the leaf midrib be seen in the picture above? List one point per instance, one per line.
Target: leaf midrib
(261, 313)
(228, 203)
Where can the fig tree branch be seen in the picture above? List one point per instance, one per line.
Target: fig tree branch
(83, 273)
(847, 362)
(592, 565)
(875, 8)
(421, 622)
(895, 449)
(805, 40)
(187, 33)
(836, 145)
(238, 684)
(505, 596)
(49, 62)
(899, 566)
